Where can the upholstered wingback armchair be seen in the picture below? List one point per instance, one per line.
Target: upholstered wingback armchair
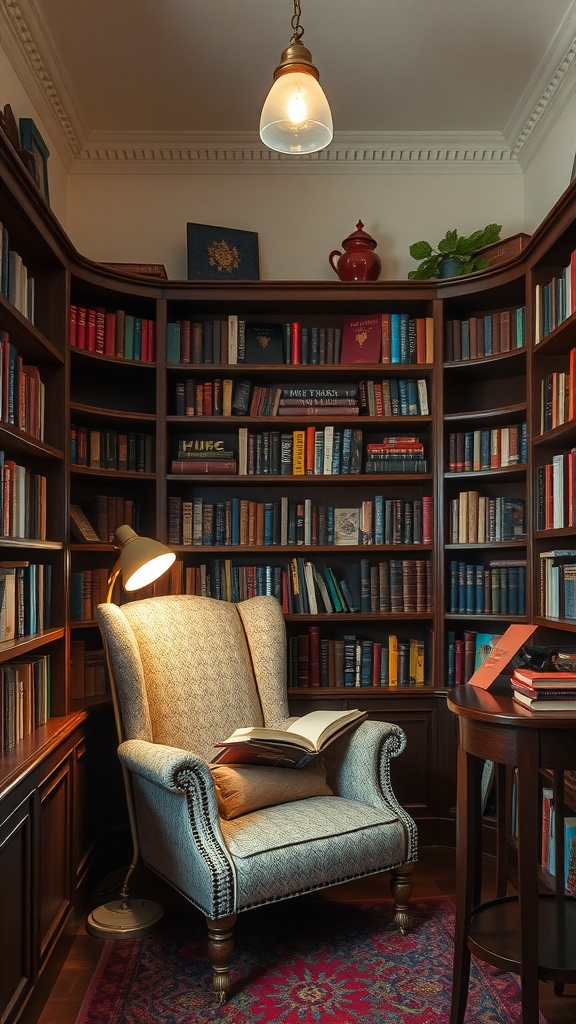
(188, 671)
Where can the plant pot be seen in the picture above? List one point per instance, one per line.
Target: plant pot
(450, 266)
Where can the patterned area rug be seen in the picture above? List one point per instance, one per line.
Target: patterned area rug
(297, 963)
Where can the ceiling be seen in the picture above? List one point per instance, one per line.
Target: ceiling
(165, 73)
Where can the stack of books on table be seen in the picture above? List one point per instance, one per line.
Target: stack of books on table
(544, 691)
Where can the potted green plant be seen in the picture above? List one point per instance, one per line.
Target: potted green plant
(454, 255)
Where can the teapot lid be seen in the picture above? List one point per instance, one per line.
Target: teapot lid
(360, 236)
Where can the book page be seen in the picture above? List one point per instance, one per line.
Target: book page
(319, 725)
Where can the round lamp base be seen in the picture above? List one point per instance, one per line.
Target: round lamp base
(124, 919)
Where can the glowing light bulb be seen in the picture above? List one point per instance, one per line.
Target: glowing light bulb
(296, 107)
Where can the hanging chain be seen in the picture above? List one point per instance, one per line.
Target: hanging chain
(295, 22)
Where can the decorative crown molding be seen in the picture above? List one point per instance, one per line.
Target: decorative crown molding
(382, 152)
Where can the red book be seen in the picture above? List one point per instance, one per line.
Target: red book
(199, 467)
(386, 353)
(110, 334)
(296, 344)
(362, 339)
(420, 339)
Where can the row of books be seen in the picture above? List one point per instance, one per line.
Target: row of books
(16, 283)
(498, 588)
(310, 451)
(554, 300)
(473, 450)
(548, 841)
(22, 392)
(98, 518)
(556, 492)
(477, 519)
(111, 449)
(557, 594)
(465, 653)
(22, 501)
(301, 586)
(25, 599)
(485, 334)
(223, 397)
(314, 451)
(87, 671)
(88, 589)
(287, 522)
(112, 333)
(397, 585)
(318, 661)
(558, 396)
(24, 698)
(380, 338)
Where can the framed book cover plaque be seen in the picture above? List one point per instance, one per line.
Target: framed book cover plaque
(221, 254)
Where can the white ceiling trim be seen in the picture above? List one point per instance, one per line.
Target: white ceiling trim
(377, 153)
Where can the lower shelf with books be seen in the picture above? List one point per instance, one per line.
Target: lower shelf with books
(320, 657)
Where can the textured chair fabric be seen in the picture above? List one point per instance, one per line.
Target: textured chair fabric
(188, 671)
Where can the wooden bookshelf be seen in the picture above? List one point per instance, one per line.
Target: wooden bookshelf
(113, 395)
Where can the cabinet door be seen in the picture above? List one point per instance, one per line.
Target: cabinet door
(54, 853)
(16, 902)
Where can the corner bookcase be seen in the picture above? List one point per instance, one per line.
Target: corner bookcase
(378, 572)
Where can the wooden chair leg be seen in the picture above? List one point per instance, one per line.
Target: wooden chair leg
(401, 889)
(220, 947)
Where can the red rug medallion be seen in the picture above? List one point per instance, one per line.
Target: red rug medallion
(299, 962)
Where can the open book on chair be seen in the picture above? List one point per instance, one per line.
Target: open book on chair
(292, 747)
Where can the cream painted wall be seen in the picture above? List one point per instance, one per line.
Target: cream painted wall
(549, 171)
(13, 92)
(299, 218)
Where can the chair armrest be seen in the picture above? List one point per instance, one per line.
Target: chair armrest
(178, 824)
(176, 770)
(358, 763)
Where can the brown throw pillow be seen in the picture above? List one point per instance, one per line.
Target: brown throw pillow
(240, 790)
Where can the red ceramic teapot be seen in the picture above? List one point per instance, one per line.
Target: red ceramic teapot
(358, 262)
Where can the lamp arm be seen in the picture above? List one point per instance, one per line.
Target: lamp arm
(112, 580)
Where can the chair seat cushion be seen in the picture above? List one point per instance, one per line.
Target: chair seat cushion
(240, 790)
(297, 847)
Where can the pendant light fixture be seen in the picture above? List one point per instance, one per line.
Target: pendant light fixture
(296, 116)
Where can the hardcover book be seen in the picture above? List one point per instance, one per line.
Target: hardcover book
(221, 254)
(264, 343)
(362, 340)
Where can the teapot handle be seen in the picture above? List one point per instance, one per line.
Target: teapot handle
(335, 252)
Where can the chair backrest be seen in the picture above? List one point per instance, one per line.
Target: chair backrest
(189, 670)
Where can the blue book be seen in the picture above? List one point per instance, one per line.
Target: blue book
(395, 356)
(235, 516)
(330, 524)
(269, 522)
(404, 339)
(379, 519)
(173, 342)
(366, 658)
(336, 452)
(488, 334)
(465, 338)
(137, 342)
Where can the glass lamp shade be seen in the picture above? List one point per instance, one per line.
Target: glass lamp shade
(142, 559)
(296, 117)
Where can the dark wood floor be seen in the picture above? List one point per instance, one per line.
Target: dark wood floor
(434, 876)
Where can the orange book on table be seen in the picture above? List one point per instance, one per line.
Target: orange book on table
(509, 643)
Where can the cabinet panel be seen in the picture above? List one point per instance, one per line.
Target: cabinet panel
(55, 807)
(15, 900)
